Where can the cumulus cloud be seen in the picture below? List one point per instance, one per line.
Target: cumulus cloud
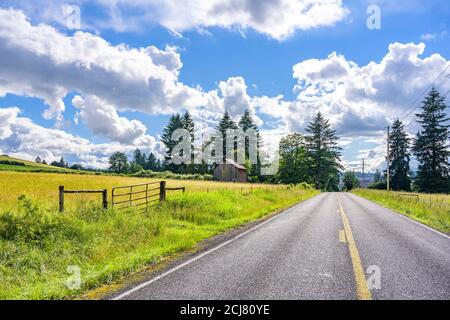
(103, 119)
(40, 61)
(26, 140)
(360, 100)
(277, 19)
(7, 117)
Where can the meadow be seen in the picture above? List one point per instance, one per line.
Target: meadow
(29, 166)
(40, 247)
(430, 209)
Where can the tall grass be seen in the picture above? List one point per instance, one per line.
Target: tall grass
(432, 210)
(43, 187)
(37, 245)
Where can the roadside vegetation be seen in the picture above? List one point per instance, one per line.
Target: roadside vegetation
(430, 209)
(12, 164)
(41, 248)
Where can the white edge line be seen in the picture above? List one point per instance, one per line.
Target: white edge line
(404, 216)
(142, 285)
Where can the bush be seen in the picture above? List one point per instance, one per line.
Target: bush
(32, 223)
(378, 186)
(12, 163)
(171, 175)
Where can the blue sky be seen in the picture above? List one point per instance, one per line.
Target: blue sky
(227, 56)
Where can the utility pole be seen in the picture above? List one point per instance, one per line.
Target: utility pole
(387, 161)
(363, 180)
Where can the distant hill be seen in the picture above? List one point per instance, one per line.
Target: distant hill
(8, 163)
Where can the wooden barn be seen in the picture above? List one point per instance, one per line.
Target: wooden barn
(230, 171)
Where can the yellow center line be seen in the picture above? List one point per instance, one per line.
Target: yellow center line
(362, 289)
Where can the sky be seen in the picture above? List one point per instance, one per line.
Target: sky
(83, 79)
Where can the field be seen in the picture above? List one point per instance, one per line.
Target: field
(30, 166)
(432, 210)
(43, 187)
(40, 248)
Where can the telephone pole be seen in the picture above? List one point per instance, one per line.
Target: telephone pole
(387, 161)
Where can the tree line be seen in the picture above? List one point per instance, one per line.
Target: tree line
(119, 162)
(429, 147)
(313, 158)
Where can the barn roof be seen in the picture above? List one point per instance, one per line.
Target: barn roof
(237, 165)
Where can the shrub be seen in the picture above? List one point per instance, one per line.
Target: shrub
(31, 223)
(12, 163)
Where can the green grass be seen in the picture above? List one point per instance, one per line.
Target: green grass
(432, 210)
(33, 166)
(37, 245)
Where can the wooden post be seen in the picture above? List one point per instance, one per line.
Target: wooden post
(184, 189)
(131, 195)
(61, 198)
(105, 198)
(162, 191)
(146, 197)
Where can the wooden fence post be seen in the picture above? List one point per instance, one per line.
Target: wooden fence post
(61, 198)
(162, 191)
(105, 198)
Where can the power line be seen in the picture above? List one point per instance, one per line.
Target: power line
(440, 85)
(442, 82)
(425, 91)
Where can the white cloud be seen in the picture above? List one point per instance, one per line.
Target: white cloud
(360, 100)
(7, 117)
(433, 36)
(26, 140)
(277, 19)
(102, 119)
(40, 61)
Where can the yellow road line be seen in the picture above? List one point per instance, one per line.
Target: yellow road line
(362, 289)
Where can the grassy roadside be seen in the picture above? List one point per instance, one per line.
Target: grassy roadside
(43, 187)
(432, 210)
(38, 246)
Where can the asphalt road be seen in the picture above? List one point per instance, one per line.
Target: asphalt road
(309, 252)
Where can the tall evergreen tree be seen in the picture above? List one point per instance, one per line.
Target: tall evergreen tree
(151, 164)
(324, 153)
(431, 145)
(399, 158)
(139, 158)
(175, 122)
(245, 123)
(225, 124)
(189, 125)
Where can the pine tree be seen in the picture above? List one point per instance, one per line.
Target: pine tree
(245, 123)
(139, 158)
(324, 153)
(151, 164)
(399, 158)
(430, 145)
(189, 125)
(175, 122)
(225, 124)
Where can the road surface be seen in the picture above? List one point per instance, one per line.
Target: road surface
(333, 246)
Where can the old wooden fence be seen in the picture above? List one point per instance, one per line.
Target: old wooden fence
(63, 191)
(123, 197)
